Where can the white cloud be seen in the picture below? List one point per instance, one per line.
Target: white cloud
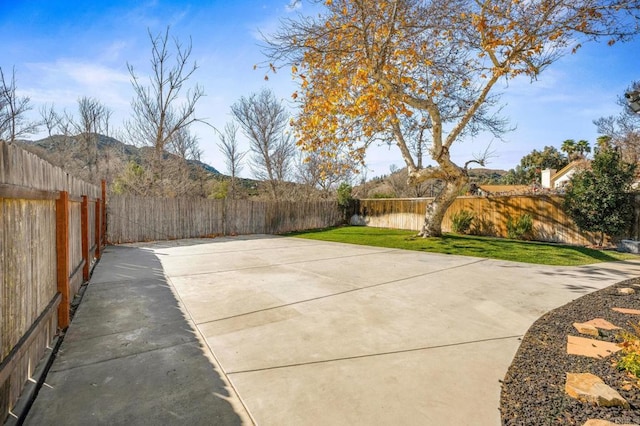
(143, 15)
(113, 52)
(65, 81)
(93, 75)
(293, 5)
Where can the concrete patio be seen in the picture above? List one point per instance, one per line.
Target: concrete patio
(286, 331)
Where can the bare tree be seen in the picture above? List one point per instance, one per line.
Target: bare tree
(263, 119)
(283, 156)
(397, 181)
(232, 154)
(623, 130)
(49, 118)
(13, 109)
(80, 141)
(77, 138)
(60, 145)
(93, 120)
(313, 171)
(132, 180)
(164, 106)
(185, 145)
(183, 171)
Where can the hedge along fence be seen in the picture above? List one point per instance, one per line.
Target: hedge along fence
(550, 223)
(52, 228)
(135, 219)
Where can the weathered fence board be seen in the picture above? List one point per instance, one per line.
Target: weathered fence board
(75, 247)
(29, 297)
(133, 219)
(27, 266)
(550, 223)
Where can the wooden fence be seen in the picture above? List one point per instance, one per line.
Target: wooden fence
(550, 223)
(133, 219)
(51, 231)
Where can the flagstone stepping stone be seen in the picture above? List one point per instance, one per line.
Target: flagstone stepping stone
(626, 290)
(584, 328)
(602, 324)
(627, 311)
(598, 422)
(590, 388)
(590, 347)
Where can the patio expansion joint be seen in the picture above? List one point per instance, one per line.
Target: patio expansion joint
(132, 355)
(130, 282)
(340, 293)
(284, 264)
(239, 251)
(348, 358)
(141, 326)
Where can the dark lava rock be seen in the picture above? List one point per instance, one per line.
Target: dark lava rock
(533, 388)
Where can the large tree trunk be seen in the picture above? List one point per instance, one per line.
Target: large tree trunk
(155, 186)
(435, 212)
(273, 187)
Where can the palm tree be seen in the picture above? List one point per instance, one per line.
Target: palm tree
(582, 148)
(569, 147)
(603, 142)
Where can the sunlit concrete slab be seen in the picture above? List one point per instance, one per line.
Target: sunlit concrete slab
(284, 331)
(432, 386)
(239, 255)
(383, 266)
(222, 295)
(322, 333)
(402, 316)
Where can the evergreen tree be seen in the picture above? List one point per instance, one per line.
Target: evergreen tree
(598, 199)
(528, 171)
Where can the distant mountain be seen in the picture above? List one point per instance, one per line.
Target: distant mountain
(486, 176)
(64, 151)
(205, 166)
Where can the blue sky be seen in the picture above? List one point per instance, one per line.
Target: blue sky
(63, 50)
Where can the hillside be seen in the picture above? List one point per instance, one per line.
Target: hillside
(59, 150)
(395, 185)
(96, 157)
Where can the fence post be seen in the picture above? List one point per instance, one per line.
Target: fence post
(62, 257)
(84, 223)
(635, 226)
(104, 212)
(98, 230)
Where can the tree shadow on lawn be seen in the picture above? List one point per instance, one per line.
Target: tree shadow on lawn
(527, 251)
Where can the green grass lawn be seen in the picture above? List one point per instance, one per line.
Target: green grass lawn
(466, 245)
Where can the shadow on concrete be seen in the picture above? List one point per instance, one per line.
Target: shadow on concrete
(588, 277)
(131, 357)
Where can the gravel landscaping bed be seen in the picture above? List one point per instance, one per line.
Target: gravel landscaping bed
(533, 388)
